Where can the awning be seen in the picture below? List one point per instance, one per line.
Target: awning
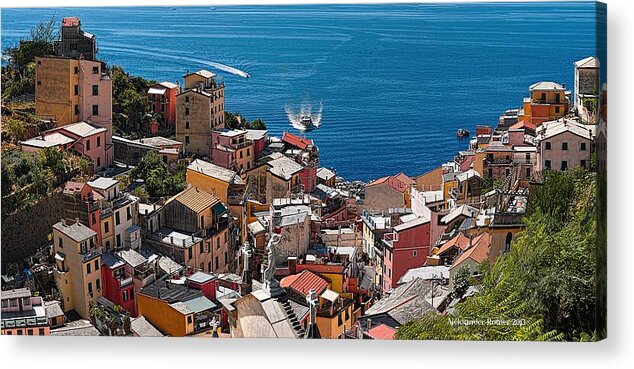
(219, 208)
(60, 256)
(156, 91)
(330, 295)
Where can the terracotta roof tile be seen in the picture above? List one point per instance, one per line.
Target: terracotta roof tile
(461, 241)
(399, 184)
(382, 332)
(478, 252)
(296, 141)
(303, 282)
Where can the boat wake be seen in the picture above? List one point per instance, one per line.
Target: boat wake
(216, 65)
(306, 109)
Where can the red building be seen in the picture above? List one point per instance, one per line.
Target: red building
(406, 247)
(162, 100)
(204, 282)
(118, 286)
(81, 202)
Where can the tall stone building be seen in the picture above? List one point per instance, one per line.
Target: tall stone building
(200, 109)
(75, 43)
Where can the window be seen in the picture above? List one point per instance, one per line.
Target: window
(117, 218)
(106, 227)
(41, 332)
(98, 141)
(564, 145)
(189, 253)
(218, 242)
(96, 264)
(128, 213)
(414, 253)
(543, 96)
(248, 151)
(88, 144)
(507, 243)
(19, 332)
(186, 139)
(556, 109)
(76, 109)
(118, 241)
(88, 268)
(507, 172)
(60, 242)
(201, 251)
(186, 111)
(547, 145)
(528, 172)
(89, 287)
(226, 258)
(94, 218)
(95, 110)
(107, 245)
(76, 90)
(95, 70)
(39, 83)
(189, 319)
(564, 165)
(162, 108)
(95, 90)
(583, 164)
(29, 332)
(583, 146)
(240, 154)
(547, 164)
(186, 124)
(217, 263)
(186, 98)
(76, 70)
(126, 297)
(98, 283)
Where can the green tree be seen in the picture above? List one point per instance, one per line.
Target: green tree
(258, 124)
(461, 282)
(15, 129)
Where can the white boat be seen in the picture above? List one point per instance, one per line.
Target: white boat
(306, 123)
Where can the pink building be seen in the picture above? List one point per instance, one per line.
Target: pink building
(90, 140)
(84, 138)
(95, 98)
(23, 314)
(406, 247)
(259, 137)
(231, 149)
(563, 144)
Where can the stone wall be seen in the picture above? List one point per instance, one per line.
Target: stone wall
(26, 231)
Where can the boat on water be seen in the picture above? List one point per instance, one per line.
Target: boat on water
(462, 133)
(306, 123)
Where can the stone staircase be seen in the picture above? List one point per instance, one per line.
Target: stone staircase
(292, 317)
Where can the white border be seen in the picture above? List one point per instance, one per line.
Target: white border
(616, 351)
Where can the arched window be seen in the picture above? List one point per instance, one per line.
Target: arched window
(507, 243)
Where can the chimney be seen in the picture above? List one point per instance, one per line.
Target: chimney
(292, 265)
(369, 323)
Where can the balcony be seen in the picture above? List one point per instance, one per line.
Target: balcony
(125, 282)
(495, 161)
(90, 254)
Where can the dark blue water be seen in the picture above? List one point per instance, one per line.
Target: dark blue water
(395, 81)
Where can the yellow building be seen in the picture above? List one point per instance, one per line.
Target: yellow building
(73, 90)
(77, 266)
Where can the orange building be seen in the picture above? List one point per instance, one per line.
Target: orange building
(548, 101)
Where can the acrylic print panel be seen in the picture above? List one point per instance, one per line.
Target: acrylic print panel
(419, 171)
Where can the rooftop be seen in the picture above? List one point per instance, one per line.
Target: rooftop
(214, 171)
(49, 140)
(325, 173)
(133, 258)
(304, 281)
(173, 237)
(256, 134)
(589, 62)
(169, 292)
(405, 303)
(547, 85)
(77, 231)
(478, 252)
(194, 199)
(556, 127)
(83, 129)
(142, 328)
(411, 224)
(284, 167)
(103, 183)
(159, 141)
(201, 277)
(203, 73)
(16, 293)
(296, 141)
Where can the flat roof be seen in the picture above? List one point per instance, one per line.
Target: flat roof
(214, 171)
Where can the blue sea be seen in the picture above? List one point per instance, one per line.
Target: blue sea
(393, 82)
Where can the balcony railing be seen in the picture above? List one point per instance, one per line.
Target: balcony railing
(493, 161)
(124, 282)
(90, 254)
